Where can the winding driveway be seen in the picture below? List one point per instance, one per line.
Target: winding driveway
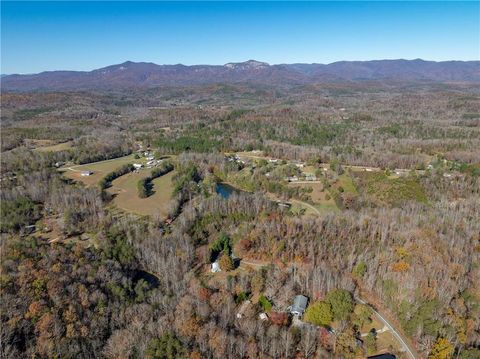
(406, 348)
(410, 351)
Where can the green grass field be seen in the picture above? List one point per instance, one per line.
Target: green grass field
(346, 182)
(99, 169)
(320, 202)
(126, 196)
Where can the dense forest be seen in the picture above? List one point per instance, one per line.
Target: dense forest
(396, 226)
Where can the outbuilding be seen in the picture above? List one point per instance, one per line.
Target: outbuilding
(215, 267)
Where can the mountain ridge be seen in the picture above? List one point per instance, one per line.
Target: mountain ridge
(148, 74)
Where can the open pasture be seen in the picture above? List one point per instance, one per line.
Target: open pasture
(126, 196)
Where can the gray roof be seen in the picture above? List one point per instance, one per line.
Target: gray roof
(299, 304)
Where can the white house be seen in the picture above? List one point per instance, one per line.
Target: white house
(137, 166)
(86, 173)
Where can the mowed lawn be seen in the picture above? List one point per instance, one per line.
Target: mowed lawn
(318, 197)
(99, 169)
(126, 197)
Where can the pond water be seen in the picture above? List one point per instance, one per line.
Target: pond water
(225, 190)
(151, 279)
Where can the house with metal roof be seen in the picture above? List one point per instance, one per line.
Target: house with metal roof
(299, 305)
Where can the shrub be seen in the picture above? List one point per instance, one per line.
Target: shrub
(166, 347)
(265, 303)
(226, 262)
(341, 302)
(319, 313)
(442, 349)
(370, 343)
(278, 318)
(241, 297)
(360, 269)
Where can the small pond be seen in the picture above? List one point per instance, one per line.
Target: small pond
(225, 190)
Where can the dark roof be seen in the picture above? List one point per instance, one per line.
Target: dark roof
(383, 356)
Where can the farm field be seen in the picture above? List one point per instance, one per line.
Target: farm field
(99, 169)
(126, 196)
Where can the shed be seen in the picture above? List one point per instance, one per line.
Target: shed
(86, 173)
(299, 305)
(215, 267)
(137, 166)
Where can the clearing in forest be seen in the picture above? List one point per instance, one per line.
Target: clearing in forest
(99, 169)
(126, 197)
(46, 147)
(391, 191)
(321, 198)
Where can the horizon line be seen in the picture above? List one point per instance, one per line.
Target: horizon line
(234, 62)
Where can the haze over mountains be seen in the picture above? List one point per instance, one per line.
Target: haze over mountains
(143, 74)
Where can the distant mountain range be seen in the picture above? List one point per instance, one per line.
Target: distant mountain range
(144, 74)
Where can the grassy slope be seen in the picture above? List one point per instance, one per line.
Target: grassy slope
(100, 169)
(126, 194)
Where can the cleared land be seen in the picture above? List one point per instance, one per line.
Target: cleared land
(99, 169)
(388, 191)
(126, 197)
(54, 148)
(321, 203)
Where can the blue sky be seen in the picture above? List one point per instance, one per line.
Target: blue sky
(40, 36)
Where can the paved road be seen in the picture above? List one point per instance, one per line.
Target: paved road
(257, 264)
(411, 352)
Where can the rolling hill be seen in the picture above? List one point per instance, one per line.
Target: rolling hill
(143, 74)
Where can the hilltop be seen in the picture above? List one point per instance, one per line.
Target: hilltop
(146, 74)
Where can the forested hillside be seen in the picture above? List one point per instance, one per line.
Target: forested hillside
(362, 197)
